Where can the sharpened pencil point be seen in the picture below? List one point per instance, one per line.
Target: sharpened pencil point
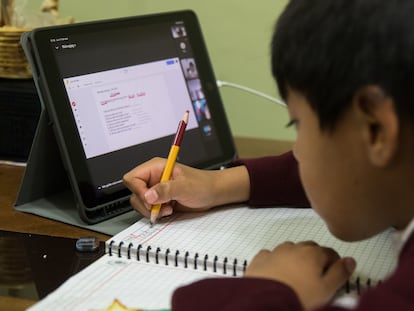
(153, 219)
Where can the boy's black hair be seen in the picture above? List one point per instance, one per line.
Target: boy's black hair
(328, 49)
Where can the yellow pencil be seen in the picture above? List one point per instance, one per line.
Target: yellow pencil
(172, 158)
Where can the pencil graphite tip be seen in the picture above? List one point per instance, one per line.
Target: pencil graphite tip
(153, 217)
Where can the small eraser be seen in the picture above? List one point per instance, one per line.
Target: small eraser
(87, 244)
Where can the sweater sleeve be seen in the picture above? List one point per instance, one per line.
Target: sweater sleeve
(228, 294)
(274, 180)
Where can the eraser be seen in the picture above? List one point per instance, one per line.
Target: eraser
(87, 244)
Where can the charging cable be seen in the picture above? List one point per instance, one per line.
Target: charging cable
(250, 90)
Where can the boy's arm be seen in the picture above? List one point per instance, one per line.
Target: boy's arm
(235, 294)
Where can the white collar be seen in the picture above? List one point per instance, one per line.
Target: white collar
(407, 232)
(403, 235)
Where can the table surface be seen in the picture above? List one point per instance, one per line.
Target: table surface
(12, 220)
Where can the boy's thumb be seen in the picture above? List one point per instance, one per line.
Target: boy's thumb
(151, 196)
(158, 194)
(340, 271)
(350, 264)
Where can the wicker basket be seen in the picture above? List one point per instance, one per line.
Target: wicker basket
(13, 62)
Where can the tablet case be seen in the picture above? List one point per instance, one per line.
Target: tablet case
(45, 189)
(45, 186)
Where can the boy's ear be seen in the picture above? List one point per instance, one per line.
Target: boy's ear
(380, 123)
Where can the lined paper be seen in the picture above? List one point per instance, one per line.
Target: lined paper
(135, 284)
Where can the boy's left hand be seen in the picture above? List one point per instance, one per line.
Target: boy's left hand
(315, 273)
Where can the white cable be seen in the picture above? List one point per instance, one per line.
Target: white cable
(250, 90)
(12, 163)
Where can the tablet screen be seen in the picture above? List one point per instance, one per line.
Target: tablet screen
(116, 90)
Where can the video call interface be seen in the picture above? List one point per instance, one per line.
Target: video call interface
(127, 95)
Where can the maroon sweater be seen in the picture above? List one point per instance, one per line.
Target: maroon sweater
(395, 293)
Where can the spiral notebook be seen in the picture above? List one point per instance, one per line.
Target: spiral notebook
(143, 265)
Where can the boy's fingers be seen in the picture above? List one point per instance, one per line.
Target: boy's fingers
(159, 194)
(136, 203)
(339, 272)
(166, 211)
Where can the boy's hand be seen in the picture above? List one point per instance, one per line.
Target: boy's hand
(189, 188)
(315, 273)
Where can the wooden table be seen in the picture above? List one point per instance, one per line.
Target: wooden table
(12, 220)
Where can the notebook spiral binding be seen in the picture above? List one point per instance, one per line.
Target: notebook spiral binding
(167, 257)
(356, 285)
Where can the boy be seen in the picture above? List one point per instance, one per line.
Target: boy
(346, 70)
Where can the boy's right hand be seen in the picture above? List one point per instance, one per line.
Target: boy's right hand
(178, 193)
(189, 189)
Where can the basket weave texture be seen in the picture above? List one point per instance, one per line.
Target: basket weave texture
(13, 62)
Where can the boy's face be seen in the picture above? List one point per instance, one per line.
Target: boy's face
(336, 173)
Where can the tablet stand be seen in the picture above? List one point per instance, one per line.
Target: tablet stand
(45, 188)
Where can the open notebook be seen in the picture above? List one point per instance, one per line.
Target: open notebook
(143, 265)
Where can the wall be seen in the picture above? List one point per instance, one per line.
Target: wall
(237, 33)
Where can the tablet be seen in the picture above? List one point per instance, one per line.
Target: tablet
(114, 92)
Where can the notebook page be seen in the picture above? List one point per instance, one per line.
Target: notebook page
(135, 284)
(240, 232)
